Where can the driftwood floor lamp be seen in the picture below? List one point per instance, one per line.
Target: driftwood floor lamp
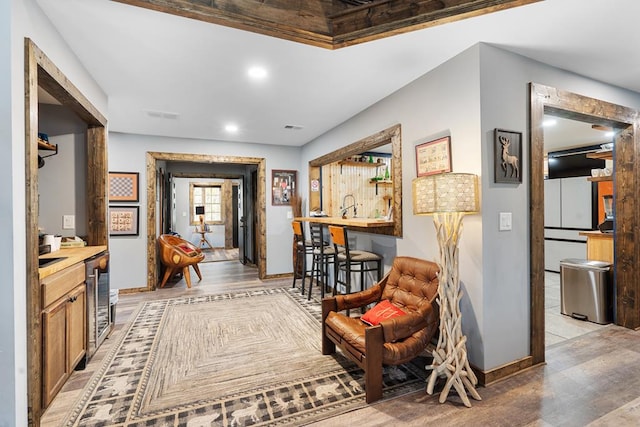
(448, 197)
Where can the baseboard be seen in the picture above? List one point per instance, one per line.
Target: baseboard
(501, 372)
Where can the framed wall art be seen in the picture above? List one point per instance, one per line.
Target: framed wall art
(123, 186)
(433, 157)
(508, 156)
(123, 220)
(283, 186)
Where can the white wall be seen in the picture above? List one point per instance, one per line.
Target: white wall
(127, 152)
(20, 19)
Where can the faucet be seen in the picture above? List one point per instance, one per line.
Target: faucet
(346, 208)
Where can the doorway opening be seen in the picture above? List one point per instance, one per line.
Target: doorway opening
(254, 216)
(549, 100)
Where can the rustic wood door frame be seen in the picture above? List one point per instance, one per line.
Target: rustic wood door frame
(259, 205)
(40, 71)
(544, 99)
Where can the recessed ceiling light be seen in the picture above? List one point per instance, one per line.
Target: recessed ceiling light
(257, 73)
(231, 128)
(549, 122)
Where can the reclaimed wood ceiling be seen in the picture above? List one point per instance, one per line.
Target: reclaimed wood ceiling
(328, 23)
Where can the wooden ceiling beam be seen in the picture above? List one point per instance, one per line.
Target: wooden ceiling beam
(328, 23)
(390, 17)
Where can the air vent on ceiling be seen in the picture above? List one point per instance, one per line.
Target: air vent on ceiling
(162, 114)
(293, 127)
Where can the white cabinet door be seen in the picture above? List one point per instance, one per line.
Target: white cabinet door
(552, 216)
(576, 211)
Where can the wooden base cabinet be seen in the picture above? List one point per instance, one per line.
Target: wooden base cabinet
(63, 330)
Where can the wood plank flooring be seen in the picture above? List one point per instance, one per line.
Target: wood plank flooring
(592, 379)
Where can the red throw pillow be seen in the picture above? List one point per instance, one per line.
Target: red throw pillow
(186, 249)
(382, 311)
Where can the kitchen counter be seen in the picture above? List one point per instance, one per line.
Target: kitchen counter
(599, 245)
(71, 256)
(349, 222)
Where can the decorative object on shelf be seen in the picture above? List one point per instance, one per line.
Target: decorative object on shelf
(283, 186)
(448, 197)
(507, 156)
(433, 157)
(123, 186)
(123, 220)
(44, 144)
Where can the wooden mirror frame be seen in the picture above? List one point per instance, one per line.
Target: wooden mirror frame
(544, 99)
(391, 136)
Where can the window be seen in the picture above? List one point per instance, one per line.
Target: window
(208, 196)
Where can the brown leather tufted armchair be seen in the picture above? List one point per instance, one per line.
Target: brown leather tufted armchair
(178, 254)
(412, 285)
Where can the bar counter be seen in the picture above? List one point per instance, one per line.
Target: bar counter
(348, 222)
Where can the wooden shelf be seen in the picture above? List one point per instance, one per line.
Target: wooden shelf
(606, 155)
(600, 178)
(363, 164)
(380, 181)
(44, 145)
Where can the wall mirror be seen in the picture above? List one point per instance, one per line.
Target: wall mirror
(386, 191)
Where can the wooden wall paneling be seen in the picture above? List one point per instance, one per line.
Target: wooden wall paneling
(391, 135)
(227, 201)
(549, 100)
(314, 196)
(328, 23)
(97, 178)
(260, 208)
(627, 225)
(40, 71)
(536, 226)
(34, 292)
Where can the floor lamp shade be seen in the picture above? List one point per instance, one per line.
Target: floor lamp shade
(446, 192)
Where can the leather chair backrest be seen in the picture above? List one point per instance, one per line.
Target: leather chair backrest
(412, 283)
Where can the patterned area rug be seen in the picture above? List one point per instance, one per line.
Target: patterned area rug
(247, 358)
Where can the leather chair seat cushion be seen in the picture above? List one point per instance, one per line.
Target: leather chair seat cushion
(349, 331)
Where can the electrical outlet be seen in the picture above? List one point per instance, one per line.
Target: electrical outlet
(289, 215)
(68, 222)
(505, 221)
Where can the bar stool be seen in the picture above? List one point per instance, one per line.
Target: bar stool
(323, 256)
(351, 261)
(303, 248)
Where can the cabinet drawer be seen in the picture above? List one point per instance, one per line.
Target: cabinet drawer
(62, 282)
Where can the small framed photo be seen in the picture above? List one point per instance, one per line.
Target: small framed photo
(433, 157)
(123, 220)
(508, 156)
(283, 186)
(123, 186)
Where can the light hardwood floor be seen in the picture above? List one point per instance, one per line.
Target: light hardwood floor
(589, 379)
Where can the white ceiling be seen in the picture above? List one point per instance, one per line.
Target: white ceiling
(193, 74)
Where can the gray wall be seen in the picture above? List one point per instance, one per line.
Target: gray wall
(62, 180)
(481, 89)
(127, 152)
(505, 101)
(20, 19)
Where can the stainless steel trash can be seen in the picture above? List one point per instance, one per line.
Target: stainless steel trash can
(585, 290)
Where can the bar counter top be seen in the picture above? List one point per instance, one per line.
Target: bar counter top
(348, 222)
(71, 256)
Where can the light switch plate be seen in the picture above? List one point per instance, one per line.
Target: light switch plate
(68, 222)
(505, 221)
(289, 215)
